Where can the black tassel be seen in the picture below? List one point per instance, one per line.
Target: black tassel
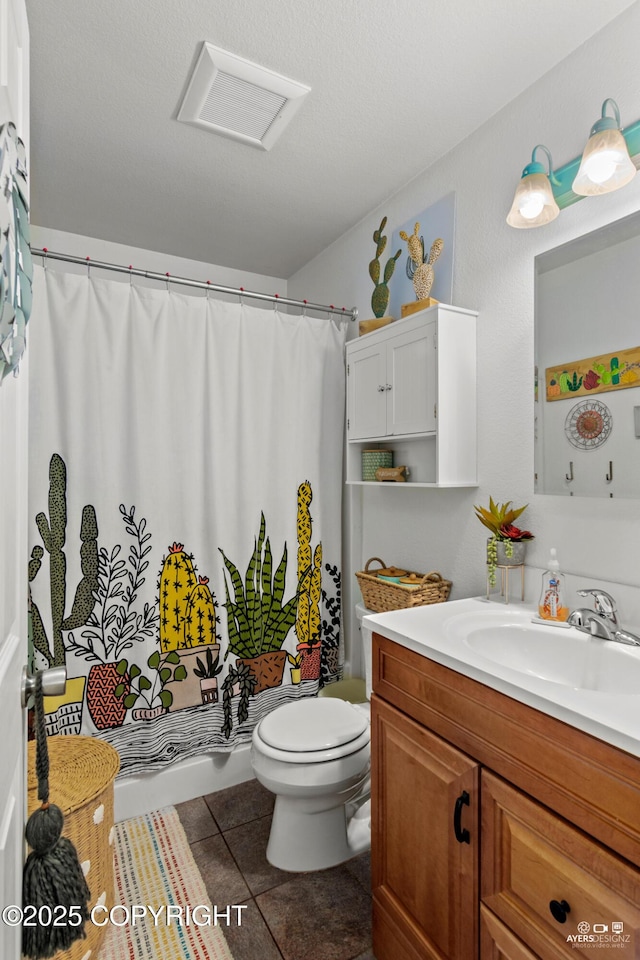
(52, 875)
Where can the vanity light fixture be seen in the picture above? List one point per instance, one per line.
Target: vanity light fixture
(606, 171)
(606, 164)
(534, 203)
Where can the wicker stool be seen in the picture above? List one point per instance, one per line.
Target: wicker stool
(82, 771)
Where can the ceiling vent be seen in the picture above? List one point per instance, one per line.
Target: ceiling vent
(238, 99)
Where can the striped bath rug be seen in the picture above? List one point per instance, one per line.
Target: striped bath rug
(155, 873)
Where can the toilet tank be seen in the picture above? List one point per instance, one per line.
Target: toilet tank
(367, 647)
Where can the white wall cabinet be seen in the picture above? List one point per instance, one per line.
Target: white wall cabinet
(411, 387)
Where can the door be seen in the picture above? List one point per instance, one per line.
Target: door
(411, 368)
(367, 392)
(14, 105)
(424, 842)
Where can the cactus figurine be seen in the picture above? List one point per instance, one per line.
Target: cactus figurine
(419, 267)
(380, 296)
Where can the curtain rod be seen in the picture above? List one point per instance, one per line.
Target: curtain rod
(201, 284)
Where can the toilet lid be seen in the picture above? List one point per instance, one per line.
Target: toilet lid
(312, 724)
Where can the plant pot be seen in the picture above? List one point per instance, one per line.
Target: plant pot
(187, 692)
(105, 709)
(519, 552)
(267, 668)
(295, 674)
(63, 714)
(147, 713)
(310, 660)
(332, 660)
(209, 690)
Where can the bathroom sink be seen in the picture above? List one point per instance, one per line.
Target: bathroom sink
(558, 655)
(590, 683)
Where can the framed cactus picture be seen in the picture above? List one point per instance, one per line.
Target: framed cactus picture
(616, 370)
(437, 222)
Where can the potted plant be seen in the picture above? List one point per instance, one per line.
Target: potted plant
(258, 616)
(507, 544)
(208, 673)
(295, 660)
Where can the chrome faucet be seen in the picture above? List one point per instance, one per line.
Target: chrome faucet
(601, 622)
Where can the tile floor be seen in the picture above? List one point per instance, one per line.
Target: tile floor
(289, 916)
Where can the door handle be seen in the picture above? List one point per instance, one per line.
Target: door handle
(54, 681)
(462, 835)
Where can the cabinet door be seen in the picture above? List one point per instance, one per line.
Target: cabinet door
(424, 842)
(557, 889)
(366, 392)
(411, 374)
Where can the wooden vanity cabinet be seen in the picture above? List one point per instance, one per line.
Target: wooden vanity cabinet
(552, 814)
(424, 879)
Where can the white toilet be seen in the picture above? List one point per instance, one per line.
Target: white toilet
(314, 754)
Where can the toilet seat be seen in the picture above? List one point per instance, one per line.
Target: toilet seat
(312, 731)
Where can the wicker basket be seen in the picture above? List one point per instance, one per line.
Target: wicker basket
(381, 595)
(82, 771)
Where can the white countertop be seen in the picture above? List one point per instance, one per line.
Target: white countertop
(453, 635)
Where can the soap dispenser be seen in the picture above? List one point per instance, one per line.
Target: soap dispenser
(552, 606)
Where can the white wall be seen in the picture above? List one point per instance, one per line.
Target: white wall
(493, 272)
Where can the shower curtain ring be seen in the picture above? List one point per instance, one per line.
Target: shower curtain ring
(167, 275)
(130, 275)
(208, 285)
(240, 300)
(88, 259)
(275, 302)
(304, 309)
(45, 251)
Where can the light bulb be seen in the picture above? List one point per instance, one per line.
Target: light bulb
(601, 166)
(532, 206)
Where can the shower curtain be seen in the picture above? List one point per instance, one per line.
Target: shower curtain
(185, 509)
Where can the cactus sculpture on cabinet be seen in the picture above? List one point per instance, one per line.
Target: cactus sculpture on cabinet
(380, 296)
(419, 266)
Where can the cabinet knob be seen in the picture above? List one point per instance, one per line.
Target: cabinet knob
(389, 386)
(381, 388)
(559, 910)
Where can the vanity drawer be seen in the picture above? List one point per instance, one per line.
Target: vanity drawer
(497, 942)
(534, 864)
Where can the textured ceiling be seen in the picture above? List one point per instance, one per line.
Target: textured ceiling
(395, 85)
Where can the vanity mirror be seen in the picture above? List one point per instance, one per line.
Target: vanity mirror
(587, 348)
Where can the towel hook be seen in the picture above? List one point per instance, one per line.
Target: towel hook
(569, 476)
(609, 476)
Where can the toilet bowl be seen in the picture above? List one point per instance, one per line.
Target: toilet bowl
(314, 755)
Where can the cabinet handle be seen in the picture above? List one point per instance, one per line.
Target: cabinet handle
(559, 910)
(462, 836)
